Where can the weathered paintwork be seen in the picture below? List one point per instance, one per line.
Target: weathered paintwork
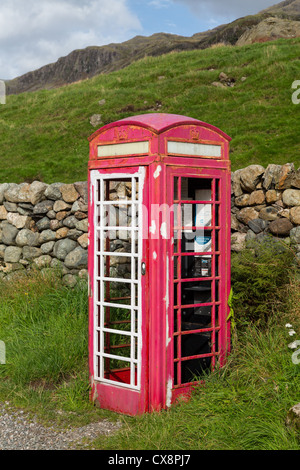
(157, 390)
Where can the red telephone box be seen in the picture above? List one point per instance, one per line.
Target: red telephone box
(159, 259)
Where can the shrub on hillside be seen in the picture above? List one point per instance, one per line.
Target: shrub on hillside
(260, 275)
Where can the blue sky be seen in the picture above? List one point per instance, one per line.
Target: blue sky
(37, 32)
(169, 17)
(188, 17)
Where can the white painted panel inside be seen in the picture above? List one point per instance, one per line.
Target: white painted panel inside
(189, 148)
(128, 148)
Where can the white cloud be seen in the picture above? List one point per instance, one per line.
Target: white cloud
(160, 3)
(226, 9)
(37, 32)
(34, 33)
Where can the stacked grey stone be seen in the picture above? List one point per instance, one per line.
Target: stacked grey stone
(45, 225)
(265, 201)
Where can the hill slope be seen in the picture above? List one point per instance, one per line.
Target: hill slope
(287, 8)
(86, 63)
(44, 134)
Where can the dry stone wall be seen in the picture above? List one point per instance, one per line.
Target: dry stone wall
(265, 201)
(46, 225)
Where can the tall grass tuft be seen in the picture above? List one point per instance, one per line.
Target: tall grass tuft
(44, 326)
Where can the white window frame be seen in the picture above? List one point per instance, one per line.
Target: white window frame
(136, 230)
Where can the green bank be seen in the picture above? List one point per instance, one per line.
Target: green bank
(44, 134)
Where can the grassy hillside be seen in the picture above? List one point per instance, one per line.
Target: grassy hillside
(44, 134)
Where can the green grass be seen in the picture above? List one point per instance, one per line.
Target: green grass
(44, 134)
(243, 406)
(44, 326)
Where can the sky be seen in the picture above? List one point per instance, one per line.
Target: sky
(34, 33)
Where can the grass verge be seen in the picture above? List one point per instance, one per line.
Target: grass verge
(241, 407)
(45, 329)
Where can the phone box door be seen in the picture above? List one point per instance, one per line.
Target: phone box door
(118, 289)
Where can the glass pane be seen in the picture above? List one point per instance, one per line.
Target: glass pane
(117, 266)
(176, 188)
(193, 215)
(203, 216)
(118, 189)
(215, 342)
(218, 190)
(195, 344)
(120, 235)
(120, 293)
(117, 370)
(99, 291)
(193, 266)
(196, 189)
(196, 318)
(198, 292)
(117, 216)
(117, 318)
(203, 241)
(217, 293)
(217, 215)
(121, 241)
(176, 296)
(196, 241)
(118, 345)
(192, 370)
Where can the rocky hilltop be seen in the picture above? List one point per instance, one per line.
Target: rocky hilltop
(281, 20)
(270, 29)
(86, 63)
(286, 9)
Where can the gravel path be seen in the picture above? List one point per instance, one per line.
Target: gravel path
(20, 432)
